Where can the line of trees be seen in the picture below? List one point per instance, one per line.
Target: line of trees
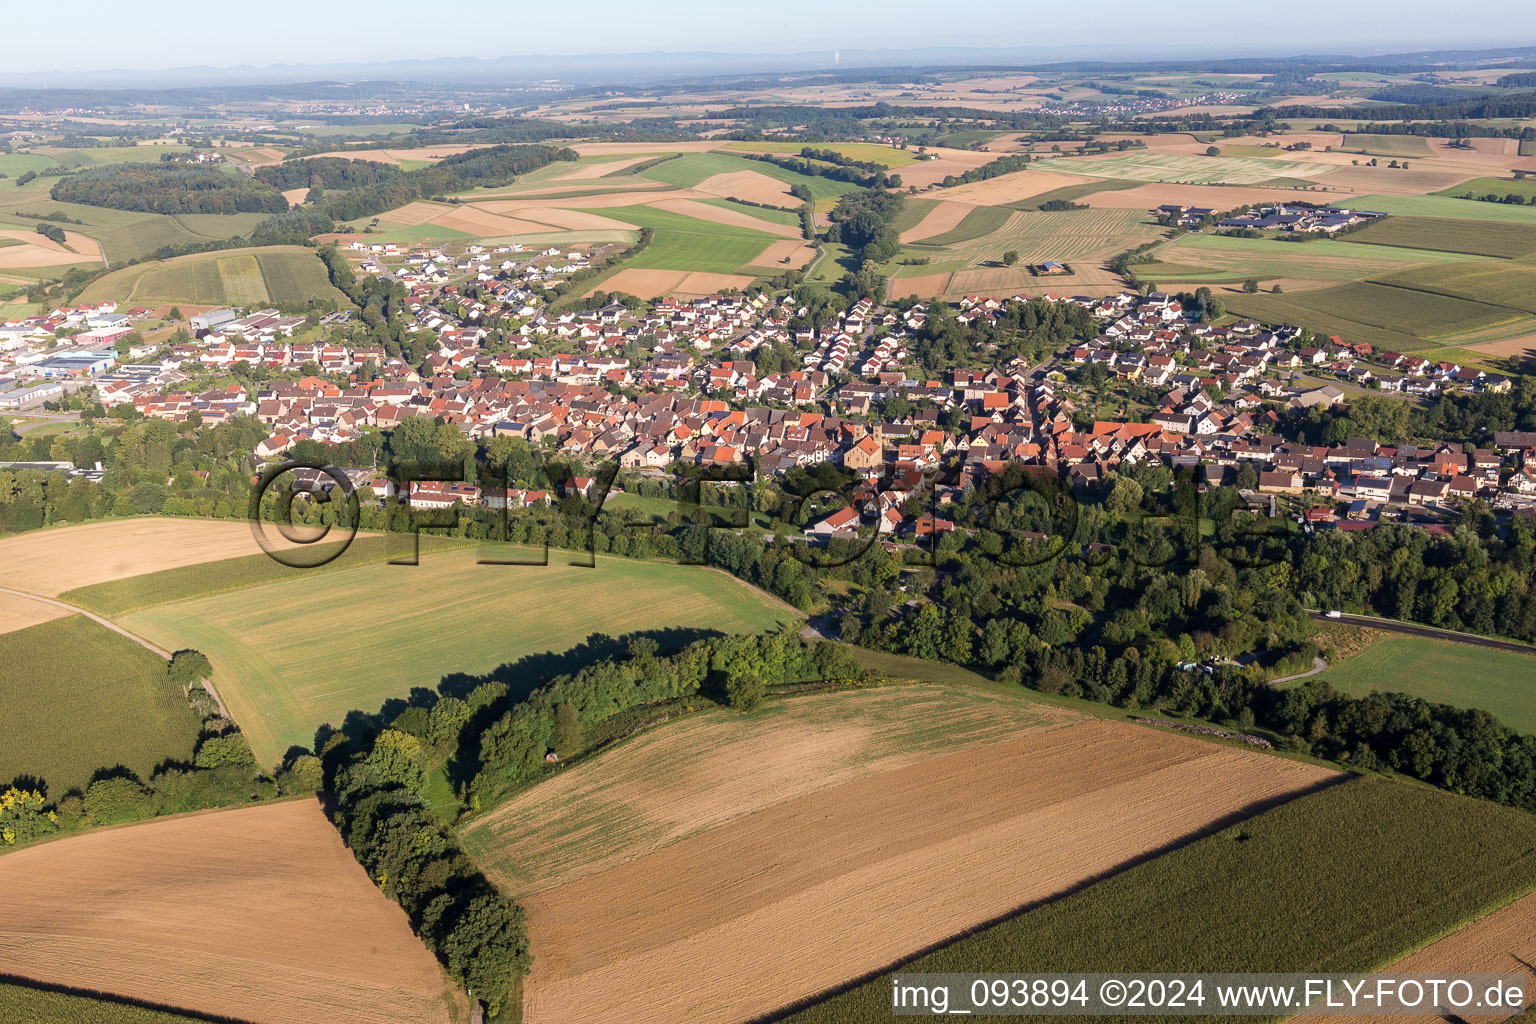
(1002, 165)
(168, 188)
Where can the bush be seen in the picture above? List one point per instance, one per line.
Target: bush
(114, 800)
(744, 692)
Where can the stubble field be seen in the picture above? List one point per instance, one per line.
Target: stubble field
(49, 562)
(831, 878)
(258, 914)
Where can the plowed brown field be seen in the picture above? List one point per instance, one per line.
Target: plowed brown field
(936, 221)
(785, 254)
(720, 215)
(827, 882)
(260, 914)
(751, 186)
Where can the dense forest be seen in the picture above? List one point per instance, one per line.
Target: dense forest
(333, 172)
(168, 188)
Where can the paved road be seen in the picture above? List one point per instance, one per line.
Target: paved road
(1413, 629)
(44, 419)
(114, 627)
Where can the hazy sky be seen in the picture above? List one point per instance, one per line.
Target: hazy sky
(137, 34)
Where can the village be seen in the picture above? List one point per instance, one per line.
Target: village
(676, 382)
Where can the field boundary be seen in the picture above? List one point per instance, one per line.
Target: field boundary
(152, 648)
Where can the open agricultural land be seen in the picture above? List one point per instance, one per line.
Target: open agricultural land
(1439, 670)
(79, 699)
(296, 654)
(40, 1005)
(49, 562)
(230, 277)
(815, 841)
(1287, 890)
(929, 809)
(258, 914)
(1502, 942)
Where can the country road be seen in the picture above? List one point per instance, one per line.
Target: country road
(1318, 665)
(1414, 629)
(114, 627)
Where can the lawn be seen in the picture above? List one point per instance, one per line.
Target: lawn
(79, 698)
(1446, 234)
(14, 165)
(1500, 682)
(295, 654)
(1343, 880)
(126, 234)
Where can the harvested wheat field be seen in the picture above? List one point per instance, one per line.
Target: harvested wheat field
(948, 161)
(641, 283)
(259, 914)
(751, 186)
(598, 168)
(295, 196)
(575, 220)
(416, 213)
(790, 254)
(1011, 188)
(920, 286)
(701, 282)
(1498, 943)
(483, 224)
(21, 612)
(38, 251)
(394, 156)
(943, 217)
(49, 562)
(682, 284)
(1523, 347)
(525, 207)
(845, 874)
(720, 215)
(1418, 180)
(718, 766)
